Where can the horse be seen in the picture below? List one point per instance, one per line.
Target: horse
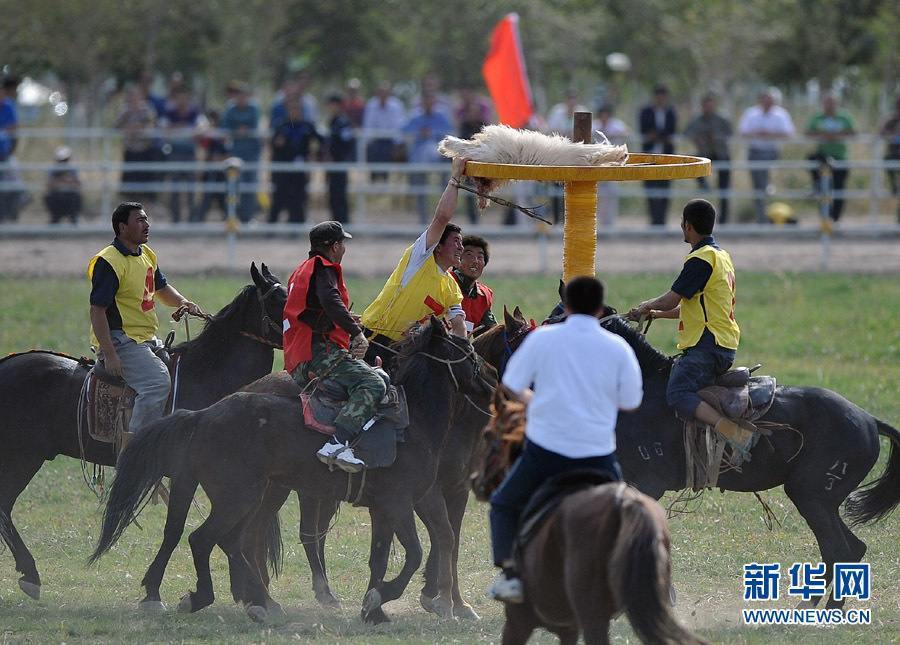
(40, 391)
(249, 450)
(828, 448)
(575, 586)
(446, 501)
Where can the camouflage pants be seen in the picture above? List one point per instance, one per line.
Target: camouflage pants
(364, 387)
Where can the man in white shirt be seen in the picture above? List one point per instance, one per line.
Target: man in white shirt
(582, 376)
(764, 125)
(383, 119)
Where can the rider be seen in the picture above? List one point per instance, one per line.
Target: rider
(125, 280)
(323, 339)
(703, 299)
(421, 285)
(477, 296)
(582, 376)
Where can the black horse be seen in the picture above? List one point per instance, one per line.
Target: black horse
(821, 462)
(250, 449)
(39, 394)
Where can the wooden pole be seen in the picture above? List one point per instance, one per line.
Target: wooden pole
(580, 227)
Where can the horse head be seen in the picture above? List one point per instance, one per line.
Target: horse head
(502, 443)
(271, 297)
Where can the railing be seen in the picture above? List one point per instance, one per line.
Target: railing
(96, 153)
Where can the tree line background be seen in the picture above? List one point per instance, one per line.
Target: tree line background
(693, 46)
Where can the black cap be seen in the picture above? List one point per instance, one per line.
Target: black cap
(327, 233)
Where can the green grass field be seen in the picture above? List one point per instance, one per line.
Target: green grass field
(835, 331)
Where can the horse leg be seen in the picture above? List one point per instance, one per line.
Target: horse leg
(822, 518)
(521, 621)
(14, 477)
(437, 594)
(456, 508)
(224, 516)
(404, 524)
(857, 547)
(180, 498)
(314, 513)
(379, 551)
(255, 547)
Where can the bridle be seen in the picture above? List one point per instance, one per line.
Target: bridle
(267, 325)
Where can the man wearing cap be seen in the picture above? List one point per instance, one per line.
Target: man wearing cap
(477, 297)
(322, 339)
(422, 285)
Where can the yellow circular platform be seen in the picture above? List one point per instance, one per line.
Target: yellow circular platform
(640, 167)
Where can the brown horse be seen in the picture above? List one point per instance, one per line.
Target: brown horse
(574, 586)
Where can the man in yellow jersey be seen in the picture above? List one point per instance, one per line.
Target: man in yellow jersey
(125, 279)
(702, 298)
(421, 285)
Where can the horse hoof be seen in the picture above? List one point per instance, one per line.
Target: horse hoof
(152, 605)
(328, 600)
(465, 612)
(185, 606)
(427, 603)
(257, 613)
(276, 611)
(375, 617)
(31, 590)
(371, 601)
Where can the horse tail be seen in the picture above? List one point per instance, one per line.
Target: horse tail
(880, 497)
(160, 449)
(274, 547)
(640, 572)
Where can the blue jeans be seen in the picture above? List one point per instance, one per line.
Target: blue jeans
(694, 370)
(534, 467)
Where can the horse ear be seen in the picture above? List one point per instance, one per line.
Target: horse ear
(562, 291)
(518, 315)
(437, 326)
(268, 274)
(258, 280)
(508, 319)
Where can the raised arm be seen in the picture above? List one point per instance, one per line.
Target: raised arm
(446, 206)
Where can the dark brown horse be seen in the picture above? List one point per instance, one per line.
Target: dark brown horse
(39, 394)
(575, 586)
(249, 450)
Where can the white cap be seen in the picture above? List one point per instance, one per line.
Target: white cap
(63, 153)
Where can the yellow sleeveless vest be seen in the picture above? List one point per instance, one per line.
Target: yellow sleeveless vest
(713, 307)
(134, 298)
(429, 291)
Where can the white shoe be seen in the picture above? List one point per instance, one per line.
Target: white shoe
(506, 589)
(329, 451)
(348, 462)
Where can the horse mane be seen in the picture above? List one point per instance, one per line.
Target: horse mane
(483, 341)
(410, 366)
(227, 322)
(649, 358)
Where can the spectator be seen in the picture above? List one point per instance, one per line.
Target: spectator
(181, 120)
(212, 142)
(341, 147)
(426, 129)
(63, 198)
(616, 132)
(658, 123)
(145, 83)
(472, 114)
(383, 121)
(137, 121)
(291, 143)
(354, 103)
(710, 132)
(293, 90)
(891, 133)
(431, 86)
(831, 128)
(241, 121)
(764, 125)
(9, 123)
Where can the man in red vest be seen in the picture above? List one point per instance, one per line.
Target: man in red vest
(477, 296)
(323, 339)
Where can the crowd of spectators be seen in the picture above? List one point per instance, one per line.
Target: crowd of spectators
(172, 132)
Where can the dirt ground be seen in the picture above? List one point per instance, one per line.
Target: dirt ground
(378, 256)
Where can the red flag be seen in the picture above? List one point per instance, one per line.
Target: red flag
(505, 76)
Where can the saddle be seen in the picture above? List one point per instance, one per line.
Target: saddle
(107, 401)
(742, 398)
(547, 498)
(377, 443)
